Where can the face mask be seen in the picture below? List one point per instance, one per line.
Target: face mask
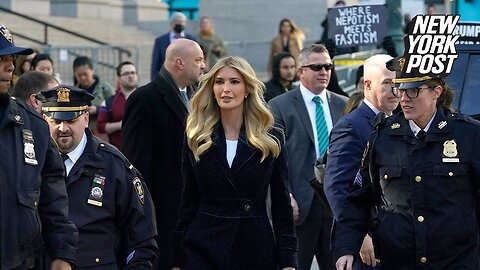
(178, 28)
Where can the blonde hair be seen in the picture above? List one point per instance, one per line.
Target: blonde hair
(205, 114)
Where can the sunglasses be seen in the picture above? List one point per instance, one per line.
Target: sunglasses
(411, 93)
(318, 67)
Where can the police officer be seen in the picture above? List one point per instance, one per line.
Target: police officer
(425, 173)
(109, 204)
(33, 199)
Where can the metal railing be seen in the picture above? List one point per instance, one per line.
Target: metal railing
(47, 26)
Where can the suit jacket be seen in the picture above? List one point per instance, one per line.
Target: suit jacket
(153, 131)
(348, 140)
(158, 55)
(223, 221)
(292, 116)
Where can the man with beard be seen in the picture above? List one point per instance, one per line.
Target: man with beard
(33, 198)
(111, 114)
(284, 69)
(178, 21)
(109, 204)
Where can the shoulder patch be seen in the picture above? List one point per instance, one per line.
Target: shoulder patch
(137, 184)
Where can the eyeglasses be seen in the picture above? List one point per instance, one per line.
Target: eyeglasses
(5, 58)
(127, 73)
(411, 93)
(318, 67)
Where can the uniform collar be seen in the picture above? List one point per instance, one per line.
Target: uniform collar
(439, 129)
(78, 151)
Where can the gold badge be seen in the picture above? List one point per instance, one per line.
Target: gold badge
(6, 33)
(96, 194)
(442, 124)
(63, 95)
(401, 62)
(450, 152)
(137, 184)
(395, 126)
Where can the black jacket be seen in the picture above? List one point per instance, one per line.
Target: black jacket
(32, 189)
(427, 195)
(118, 225)
(223, 221)
(152, 138)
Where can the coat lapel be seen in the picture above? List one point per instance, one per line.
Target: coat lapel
(172, 95)
(368, 113)
(243, 155)
(336, 108)
(303, 113)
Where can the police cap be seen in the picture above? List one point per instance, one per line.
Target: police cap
(65, 102)
(406, 81)
(7, 46)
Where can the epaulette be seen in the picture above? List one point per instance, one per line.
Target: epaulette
(27, 108)
(465, 118)
(111, 149)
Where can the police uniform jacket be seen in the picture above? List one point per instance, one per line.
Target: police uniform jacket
(32, 191)
(112, 210)
(223, 221)
(427, 191)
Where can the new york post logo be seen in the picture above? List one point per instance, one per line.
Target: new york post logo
(430, 47)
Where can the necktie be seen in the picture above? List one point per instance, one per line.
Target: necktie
(64, 156)
(185, 96)
(322, 131)
(421, 134)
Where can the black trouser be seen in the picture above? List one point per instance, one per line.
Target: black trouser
(314, 238)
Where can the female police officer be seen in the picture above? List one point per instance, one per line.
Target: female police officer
(421, 173)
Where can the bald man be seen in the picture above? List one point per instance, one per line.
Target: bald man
(153, 131)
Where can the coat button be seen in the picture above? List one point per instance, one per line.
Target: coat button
(450, 173)
(418, 178)
(35, 203)
(248, 207)
(385, 177)
(423, 259)
(420, 218)
(97, 260)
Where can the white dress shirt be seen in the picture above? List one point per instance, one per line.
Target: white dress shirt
(307, 96)
(75, 154)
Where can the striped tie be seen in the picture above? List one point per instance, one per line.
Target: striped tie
(322, 131)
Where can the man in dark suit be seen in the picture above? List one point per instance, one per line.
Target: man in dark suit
(307, 114)
(177, 23)
(153, 132)
(349, 137)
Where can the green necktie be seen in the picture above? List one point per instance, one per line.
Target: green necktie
(322, 131)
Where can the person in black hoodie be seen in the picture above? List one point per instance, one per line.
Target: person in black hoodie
(284, 71)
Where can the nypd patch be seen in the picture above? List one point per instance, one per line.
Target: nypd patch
(137, 184)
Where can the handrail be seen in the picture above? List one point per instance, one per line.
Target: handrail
(47, 25)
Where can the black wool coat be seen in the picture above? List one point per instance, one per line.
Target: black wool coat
(223, 221)
(152, 137)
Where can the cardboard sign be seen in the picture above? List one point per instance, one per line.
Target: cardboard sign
(357, 25)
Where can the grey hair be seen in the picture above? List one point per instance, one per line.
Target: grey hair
(177, 16)
(305, 52)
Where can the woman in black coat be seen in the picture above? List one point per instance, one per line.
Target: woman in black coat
(231, 157)
(424, 166)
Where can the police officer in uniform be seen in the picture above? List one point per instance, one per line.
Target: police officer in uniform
(33, 199)
(424, 165)
(109, 204)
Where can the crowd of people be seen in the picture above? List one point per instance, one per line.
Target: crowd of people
(207, 167)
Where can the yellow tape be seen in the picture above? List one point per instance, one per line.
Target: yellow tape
(346, 62)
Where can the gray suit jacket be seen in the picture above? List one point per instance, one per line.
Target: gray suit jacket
(291, 115)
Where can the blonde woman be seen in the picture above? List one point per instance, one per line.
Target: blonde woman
(289, 39)
(231, 156)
